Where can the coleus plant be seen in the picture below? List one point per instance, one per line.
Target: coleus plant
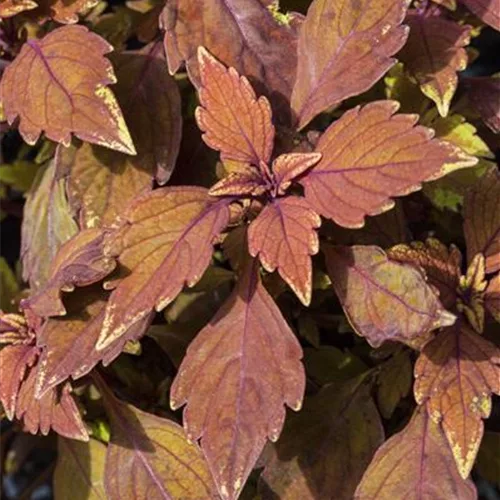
(313, 150)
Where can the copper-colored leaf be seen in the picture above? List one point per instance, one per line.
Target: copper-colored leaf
(482, 220)
(14, 360)
(455, 376)
(238, 374)
(150, 457)
(9, 8)
(243, 35)
(484, 94)
(433, 55)
(233, 120)
(79, 472)
(47, 224)
(240, 184)
(59, 85)
(102, 183)
(370, 156)
(344, 48)
(151, 104)
(487, 10)
(442, 266)
(384, 300)
(55, 410)
(63, 11)
(68, 344)
(492, 297)
(289, 166)
(166, 242)
(79, 262)
(325, 449)
(415, 464)
(283, 236)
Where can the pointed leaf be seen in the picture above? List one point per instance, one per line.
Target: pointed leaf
(487, 10)
(47, 224)
(14, 360)
(68, 344)
(240, 184)
(344, 48)
(243, 35)
(233, 120)
(433, 54)
(56, 410)
(150, 457)
(79, 262)
(484, 94)
(325, 449)
(455, 376)
(492, 297)
(102, 183)
(371, 155)
(79, 472)
(415, 464)
(283, 236)
(65, 77)
(166, 242)
(289, 166)
(442, 266)
(238, 374)
(384, 300)
(482, 220)
(151, 104)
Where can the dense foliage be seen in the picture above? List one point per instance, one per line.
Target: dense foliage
(234, 209)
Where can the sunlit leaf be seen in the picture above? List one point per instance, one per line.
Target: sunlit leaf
(455, 376)
(283, 236)
(433, 54)
(9, 8)
(65, 76)
(63, 11)
(244, 36)
(482, 220)
(442, 266)
(79, 262)
(415, 464)
(484, 94)
(236, 378)
(47, 224)
(383, 299)
(344, 48)
(325, 449)
(233, 120)
(150, 457)
(487, 10)
(394, 382)
(79, 471)
(240, 184)
(68, 344)
(166, 242)
(370, 156)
